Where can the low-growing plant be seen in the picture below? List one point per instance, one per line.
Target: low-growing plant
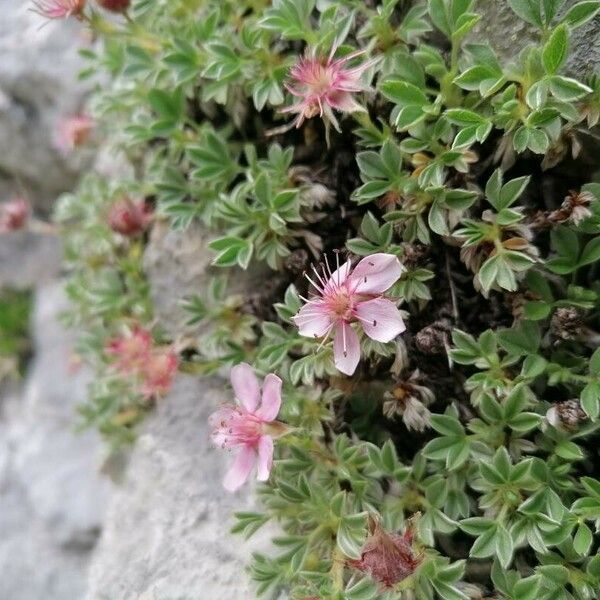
(428, 421)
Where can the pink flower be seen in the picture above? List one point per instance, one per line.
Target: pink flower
(59, 9)
(128, 217)
(131, 351)
(158, 371)
(325, 84)
(353, 296)
(248, 426)
(14, 215)
(73, 132)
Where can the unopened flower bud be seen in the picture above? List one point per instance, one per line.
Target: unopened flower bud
(117, 6)
(129, 217)
(14, 215)
(73, 132)
(566, 415)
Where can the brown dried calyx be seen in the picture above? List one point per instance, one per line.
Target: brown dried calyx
(574, 209)
(566, 415)
(566, 323)
(435, 338)
(389, 558)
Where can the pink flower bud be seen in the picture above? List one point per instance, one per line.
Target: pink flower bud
(128, 217)
(131, 351)
(114, 5)
(59, 9)
(14, 215)
(158, 372)
(74, 132)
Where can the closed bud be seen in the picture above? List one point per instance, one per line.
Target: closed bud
(14, 215)
(117, 6)
(129, 217)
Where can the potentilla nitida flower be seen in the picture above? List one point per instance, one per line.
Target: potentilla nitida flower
(324, 85)
(73, 132)
(114, 5)
(352, 296)
(249, 426)
(59, 9)
(14, 215)
(129, 217)
(131, 351)
(389, 558)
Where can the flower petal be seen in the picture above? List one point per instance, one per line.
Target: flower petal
(376, 273)
(245, 386)
(346, 349)
(380, 319)
(265, 457)
(313, 319)
(339, 276)
(239, 470)
(271, 398)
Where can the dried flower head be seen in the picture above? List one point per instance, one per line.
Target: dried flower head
(129, 217)
(389, 558)
(324, 85)
(73, 132)
(59, 9)
(248, 426)
(566, 323)
(352, 295)
(14, 215)
(409, 399)
(566, 415)
(574, 209)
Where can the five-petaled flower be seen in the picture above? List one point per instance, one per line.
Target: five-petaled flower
(249, 425)
(389, 558)
(14, 215)
(324, 85)
(59, 9)
(129, 217)
(73, 132)
(353, 296)
(131, 351)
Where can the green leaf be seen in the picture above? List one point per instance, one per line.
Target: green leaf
(583, 539)
(528, 10)
(404, 93)
(567, 89)
(590, 253)
(351, 534)
(581, 13)
(590, 399)
(555, 50)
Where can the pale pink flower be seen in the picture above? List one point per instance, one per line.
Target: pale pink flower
(73, 132)
(353, 296)
(158, 371)
(129, 217)
(131, 351)
(249, 425)
(14, 215)
(324, 85)
(59, 9)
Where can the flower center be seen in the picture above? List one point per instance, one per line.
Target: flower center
(341, 303)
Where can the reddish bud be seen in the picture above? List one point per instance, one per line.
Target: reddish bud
(389, 558)
(128, 217)
(114, 5)
(14, 215)
(131, 351)
(158, 372)
(74, 131)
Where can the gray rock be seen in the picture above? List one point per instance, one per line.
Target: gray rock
(508, 34)
(38, 86)
(51, 494)
(166, 529)
(28, 259)
(178, 264)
